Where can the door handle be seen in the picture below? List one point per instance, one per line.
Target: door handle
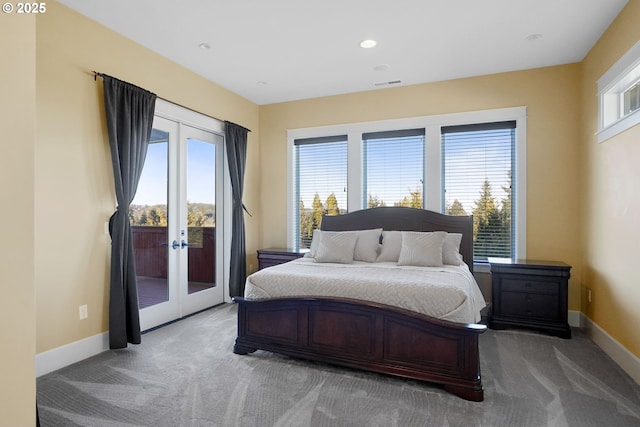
(184, 244)
(175, 244)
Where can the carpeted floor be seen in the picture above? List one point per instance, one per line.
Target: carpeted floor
(185, 374)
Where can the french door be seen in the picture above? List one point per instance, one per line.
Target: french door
(177, 220)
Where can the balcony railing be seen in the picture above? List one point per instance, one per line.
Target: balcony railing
(150, 246)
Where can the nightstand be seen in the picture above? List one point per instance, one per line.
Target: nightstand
(275, 256)
(530, 294)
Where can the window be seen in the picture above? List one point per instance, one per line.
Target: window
(477, 165)
(320, 183)
(444, 163)
(619, 95)
(393, 168)
(631, 99)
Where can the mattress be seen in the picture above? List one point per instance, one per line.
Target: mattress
(448, 292)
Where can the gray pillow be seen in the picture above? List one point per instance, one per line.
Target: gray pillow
(367, 244)
(422, 249)
(336, 247)
(391, 245)
(451, 249)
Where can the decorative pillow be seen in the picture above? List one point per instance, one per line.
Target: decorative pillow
(391, 245)
(313, 248)
(367, 244)
(335, 246)
(451, 249)
(422, 249)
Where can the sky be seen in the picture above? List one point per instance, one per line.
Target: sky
(152, 188)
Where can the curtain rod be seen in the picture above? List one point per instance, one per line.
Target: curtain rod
(97, 74)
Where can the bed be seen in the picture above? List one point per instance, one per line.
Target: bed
(365, 332)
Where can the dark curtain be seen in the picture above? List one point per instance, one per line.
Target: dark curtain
(236, 144)
(129, 111)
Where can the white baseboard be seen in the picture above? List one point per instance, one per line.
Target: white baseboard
(574, 318)
(68, 354)
(629, 362)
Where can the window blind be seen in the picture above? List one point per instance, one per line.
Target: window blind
(631, 99)
(393, 168)
(320, 185)
(478, 170)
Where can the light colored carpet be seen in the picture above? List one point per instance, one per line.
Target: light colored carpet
(185, 374)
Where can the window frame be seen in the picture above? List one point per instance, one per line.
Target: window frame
(432, 183)
(613, 84)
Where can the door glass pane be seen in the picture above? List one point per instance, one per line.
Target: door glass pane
(148, 216)
(201, 214)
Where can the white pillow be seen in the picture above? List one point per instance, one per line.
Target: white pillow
(313, 248)
(367, 244)
(422, 249)
(451, 249)
(336, 247)
(391, 245)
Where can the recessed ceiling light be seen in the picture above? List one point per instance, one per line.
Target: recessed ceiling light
(368, 44)
(533, 37)
(204, 46)
(262, 83)
(381, 67)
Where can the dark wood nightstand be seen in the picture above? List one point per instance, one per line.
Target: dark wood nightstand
(530, 294)
(275, 256)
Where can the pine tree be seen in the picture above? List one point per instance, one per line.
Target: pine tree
(331, 205)
(375, 202)
(306, 226)
(317, 210)
(487, 224)
(414, 200)
(456, 208)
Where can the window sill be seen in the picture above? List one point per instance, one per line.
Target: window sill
(619, 126)
(481, 267)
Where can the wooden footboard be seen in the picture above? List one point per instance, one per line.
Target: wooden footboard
(364, 335)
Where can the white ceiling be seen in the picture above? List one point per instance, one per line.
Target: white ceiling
(272, 51)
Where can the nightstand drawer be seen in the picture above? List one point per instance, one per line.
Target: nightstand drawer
(529, 286)
(531, 306)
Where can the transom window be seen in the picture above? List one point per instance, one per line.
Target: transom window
(619, 95)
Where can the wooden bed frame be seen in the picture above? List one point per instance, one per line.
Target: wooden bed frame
(372, 336)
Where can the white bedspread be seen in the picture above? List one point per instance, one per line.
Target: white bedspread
(449, 292)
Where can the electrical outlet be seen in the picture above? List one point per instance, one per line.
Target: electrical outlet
(83, 311)
(250, 268)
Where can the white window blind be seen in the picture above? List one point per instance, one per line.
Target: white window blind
(393, 168)
(478, 170)
(320, 183)
(631, 99)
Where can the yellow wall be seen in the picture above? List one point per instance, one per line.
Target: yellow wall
(17, 305)
(73, 178)
(611, 202)
(552, 143)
